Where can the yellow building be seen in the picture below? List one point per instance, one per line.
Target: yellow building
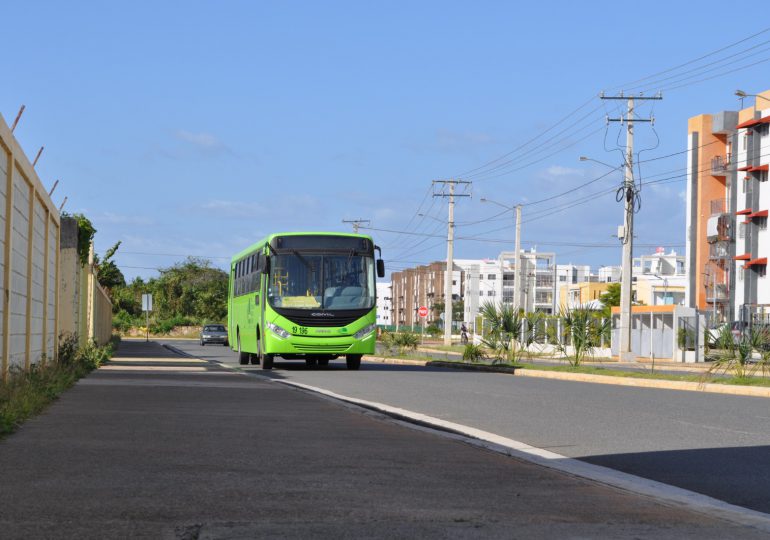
(581, 294)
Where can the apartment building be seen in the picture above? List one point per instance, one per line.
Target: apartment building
(421, 286)
(494, 280)
(727, 204)
(384, 305)
(583, 294)
(659, 278)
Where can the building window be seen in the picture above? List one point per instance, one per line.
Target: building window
(562, 278)
(761, 223)
(454, 282)
(490, 293)
(481, 293)
(741, 230)
(491, 276)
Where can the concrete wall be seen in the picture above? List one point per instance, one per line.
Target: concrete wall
(29, 240)
(85, 309)
(46, 290)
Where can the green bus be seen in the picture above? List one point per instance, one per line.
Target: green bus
(304, 296)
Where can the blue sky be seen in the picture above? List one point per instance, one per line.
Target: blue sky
(195, 128)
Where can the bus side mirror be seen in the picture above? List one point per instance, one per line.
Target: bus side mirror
(380, 268)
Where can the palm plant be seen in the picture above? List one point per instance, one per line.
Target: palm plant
(738, 358)
(504, 324)
(583, 331)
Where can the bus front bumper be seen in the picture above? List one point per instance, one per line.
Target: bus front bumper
(310, 346)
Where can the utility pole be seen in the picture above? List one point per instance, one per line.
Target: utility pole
(517, 268)
(356, 223)
(630, 198)
(449, 253)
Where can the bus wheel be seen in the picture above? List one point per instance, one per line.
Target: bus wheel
(243, 357)
(323, 361)
(311, 362)
(353, 361)
(267, 361)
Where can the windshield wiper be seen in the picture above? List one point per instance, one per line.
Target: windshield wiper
(301, 258)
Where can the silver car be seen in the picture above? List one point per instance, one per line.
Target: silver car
(214, 333)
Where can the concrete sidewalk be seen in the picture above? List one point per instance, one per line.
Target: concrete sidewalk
(155, 445)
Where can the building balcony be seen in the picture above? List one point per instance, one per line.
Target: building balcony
(720, 165)
(717, 293)
(720, 250)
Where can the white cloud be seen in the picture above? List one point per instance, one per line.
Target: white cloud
(202, 140)
(449, 139)
(121, 219)
(231, 209)
(558, 170)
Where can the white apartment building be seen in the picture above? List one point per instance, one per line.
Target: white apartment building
(660, 278)
(384, 303)
(493, 280)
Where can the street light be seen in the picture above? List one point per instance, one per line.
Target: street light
(517, 258)
(741, 94)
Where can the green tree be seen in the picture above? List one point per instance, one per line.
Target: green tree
(610, 298)
(108, 274)
(192, 288)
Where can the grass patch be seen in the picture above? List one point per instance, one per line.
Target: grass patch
(591, 370)
(27, 393)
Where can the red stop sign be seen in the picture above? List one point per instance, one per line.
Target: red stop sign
(423, 311)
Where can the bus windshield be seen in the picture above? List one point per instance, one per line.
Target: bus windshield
(304, 280)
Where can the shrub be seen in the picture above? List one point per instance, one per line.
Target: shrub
(27, 393)
(406, 341)
(433, 330)
(473, 353)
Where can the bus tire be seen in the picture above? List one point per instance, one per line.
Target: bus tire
(243, 357)
(311, 362)
(353, 361)
(323, 361)
(267, 361)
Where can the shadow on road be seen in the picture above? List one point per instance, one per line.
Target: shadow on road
(737, 475)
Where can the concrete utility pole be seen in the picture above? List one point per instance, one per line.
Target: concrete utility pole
(356, 223)
(517, 288)
(517, 260)
(449, 254)
(630, 197)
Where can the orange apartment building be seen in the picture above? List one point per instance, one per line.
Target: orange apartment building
(727, 203)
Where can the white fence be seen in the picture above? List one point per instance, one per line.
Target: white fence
(29, 247)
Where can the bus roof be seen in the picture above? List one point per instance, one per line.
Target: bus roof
(270, 237)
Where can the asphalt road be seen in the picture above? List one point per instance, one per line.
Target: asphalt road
(716, 445)
(158, 446)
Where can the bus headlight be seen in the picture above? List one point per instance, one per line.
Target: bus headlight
(364, 331)
(278, 331)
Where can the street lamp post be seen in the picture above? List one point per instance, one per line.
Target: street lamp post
(517, 257)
